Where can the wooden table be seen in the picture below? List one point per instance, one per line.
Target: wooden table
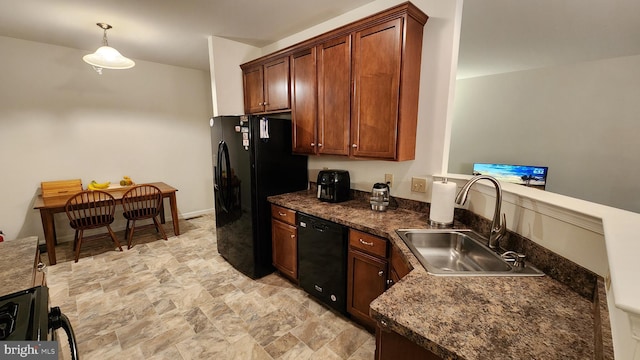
(55, 204)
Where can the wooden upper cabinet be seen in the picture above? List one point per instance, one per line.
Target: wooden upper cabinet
(321, 98)
(253, 89)
(386, 76)
(266, 86)
(334, 96)
(354, 89)
(377, 61)
(304, 104)
(276, 85)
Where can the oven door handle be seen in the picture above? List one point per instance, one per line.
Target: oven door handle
(59, 320)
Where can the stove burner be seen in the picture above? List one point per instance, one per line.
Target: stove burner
(8, 314)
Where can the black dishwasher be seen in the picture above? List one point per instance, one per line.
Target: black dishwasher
(322, 260)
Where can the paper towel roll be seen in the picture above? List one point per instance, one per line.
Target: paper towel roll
(443, 196)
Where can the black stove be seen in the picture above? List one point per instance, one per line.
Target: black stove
(25, 316)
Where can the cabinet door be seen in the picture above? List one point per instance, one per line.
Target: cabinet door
(304, 103)
(377, 64)
(334, 96)
(366, 281)
(276, 84)
(285, 248)
(253, 90)
(397, 267)
(391, 346)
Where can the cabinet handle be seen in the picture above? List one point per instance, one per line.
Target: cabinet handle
(354, 145)
(366, 243)
(41, 266)
(260, 104)
(281, 213)
(319, 145)
(389, 282)
(293, 236)
(381, 273)
(313, 144)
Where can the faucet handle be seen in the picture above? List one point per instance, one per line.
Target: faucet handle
(519, 263)
(514, 257)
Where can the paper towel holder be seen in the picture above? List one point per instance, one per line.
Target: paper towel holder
(439, 224)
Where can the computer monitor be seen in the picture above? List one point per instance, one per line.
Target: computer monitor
(532, 176)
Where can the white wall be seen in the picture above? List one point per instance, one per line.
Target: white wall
(581, 120)
(225, 57)
(59, 119)
(439, 54)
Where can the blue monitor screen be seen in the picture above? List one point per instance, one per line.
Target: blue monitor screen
(532, 176)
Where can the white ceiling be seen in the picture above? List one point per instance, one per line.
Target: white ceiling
(165, 31)
(509, 35)
(497, 35)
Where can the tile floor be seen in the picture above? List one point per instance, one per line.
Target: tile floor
(178, 299)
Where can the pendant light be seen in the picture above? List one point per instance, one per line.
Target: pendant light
(107, 57)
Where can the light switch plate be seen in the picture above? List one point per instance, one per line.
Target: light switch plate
(419, 184)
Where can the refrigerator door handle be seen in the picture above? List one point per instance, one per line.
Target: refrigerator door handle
(224, 189)
(217, 169)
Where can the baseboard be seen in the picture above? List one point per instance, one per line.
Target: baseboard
(119, 225)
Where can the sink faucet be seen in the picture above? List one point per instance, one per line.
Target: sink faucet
(498, 227)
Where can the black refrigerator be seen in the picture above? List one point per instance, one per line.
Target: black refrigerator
(252, 159)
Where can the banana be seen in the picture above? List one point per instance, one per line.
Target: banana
(93, 185)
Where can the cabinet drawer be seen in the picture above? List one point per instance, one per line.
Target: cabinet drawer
(368, 243)
(283, 214)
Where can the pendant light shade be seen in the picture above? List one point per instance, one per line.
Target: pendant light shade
(107, 57)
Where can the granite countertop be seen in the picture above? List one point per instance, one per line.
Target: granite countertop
(16, 267)
(466, 317)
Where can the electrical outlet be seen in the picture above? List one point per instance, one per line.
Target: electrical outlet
(419, 184)
(388, 178)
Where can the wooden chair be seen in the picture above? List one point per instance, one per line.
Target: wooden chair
(90, 210)
(139, 203)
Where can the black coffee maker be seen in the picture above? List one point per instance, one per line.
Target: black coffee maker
(333, 185)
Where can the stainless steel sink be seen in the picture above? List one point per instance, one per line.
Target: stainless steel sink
(459, 253)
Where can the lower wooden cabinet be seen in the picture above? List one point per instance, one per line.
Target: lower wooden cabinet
(392, 346)
(284, 242)
(285, 248)
(366, 274)
(397, 267)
